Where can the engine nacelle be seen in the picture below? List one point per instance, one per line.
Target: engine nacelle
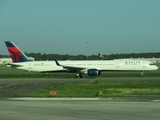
(92, 72)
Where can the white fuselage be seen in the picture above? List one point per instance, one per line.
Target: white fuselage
(101, 65)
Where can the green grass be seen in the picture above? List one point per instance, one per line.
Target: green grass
(109, 89)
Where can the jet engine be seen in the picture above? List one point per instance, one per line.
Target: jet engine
(92, 72)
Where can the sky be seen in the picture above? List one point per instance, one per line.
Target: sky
(81, 26)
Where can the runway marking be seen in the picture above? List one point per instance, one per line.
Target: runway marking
(8, 85)
(155, 100)
(14, 84)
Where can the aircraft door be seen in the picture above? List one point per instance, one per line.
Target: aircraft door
(29, 67)
(117, 65)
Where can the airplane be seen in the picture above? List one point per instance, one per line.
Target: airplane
(89, 67)
(101, 57)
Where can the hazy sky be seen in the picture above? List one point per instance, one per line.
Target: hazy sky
(81, 26)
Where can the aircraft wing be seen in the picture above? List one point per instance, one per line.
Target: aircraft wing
(72, 68)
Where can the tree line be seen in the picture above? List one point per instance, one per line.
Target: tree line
(43, 56)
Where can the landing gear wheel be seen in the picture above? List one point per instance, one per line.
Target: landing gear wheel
(79, 75)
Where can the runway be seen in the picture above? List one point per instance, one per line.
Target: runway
(78, 110)
(70, 109)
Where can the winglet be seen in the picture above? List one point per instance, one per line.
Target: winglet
(57, 63)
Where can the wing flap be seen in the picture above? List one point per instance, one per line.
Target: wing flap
(72, 68)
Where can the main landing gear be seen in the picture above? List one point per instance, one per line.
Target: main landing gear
(78, 75)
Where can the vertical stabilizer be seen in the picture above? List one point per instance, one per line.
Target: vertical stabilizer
(101, 56)
(15, 53)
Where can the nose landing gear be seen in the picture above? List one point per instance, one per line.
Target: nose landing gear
(142, 73)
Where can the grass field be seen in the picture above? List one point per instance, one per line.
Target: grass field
(108, 89)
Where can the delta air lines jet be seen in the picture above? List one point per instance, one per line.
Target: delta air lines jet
(89, 67)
